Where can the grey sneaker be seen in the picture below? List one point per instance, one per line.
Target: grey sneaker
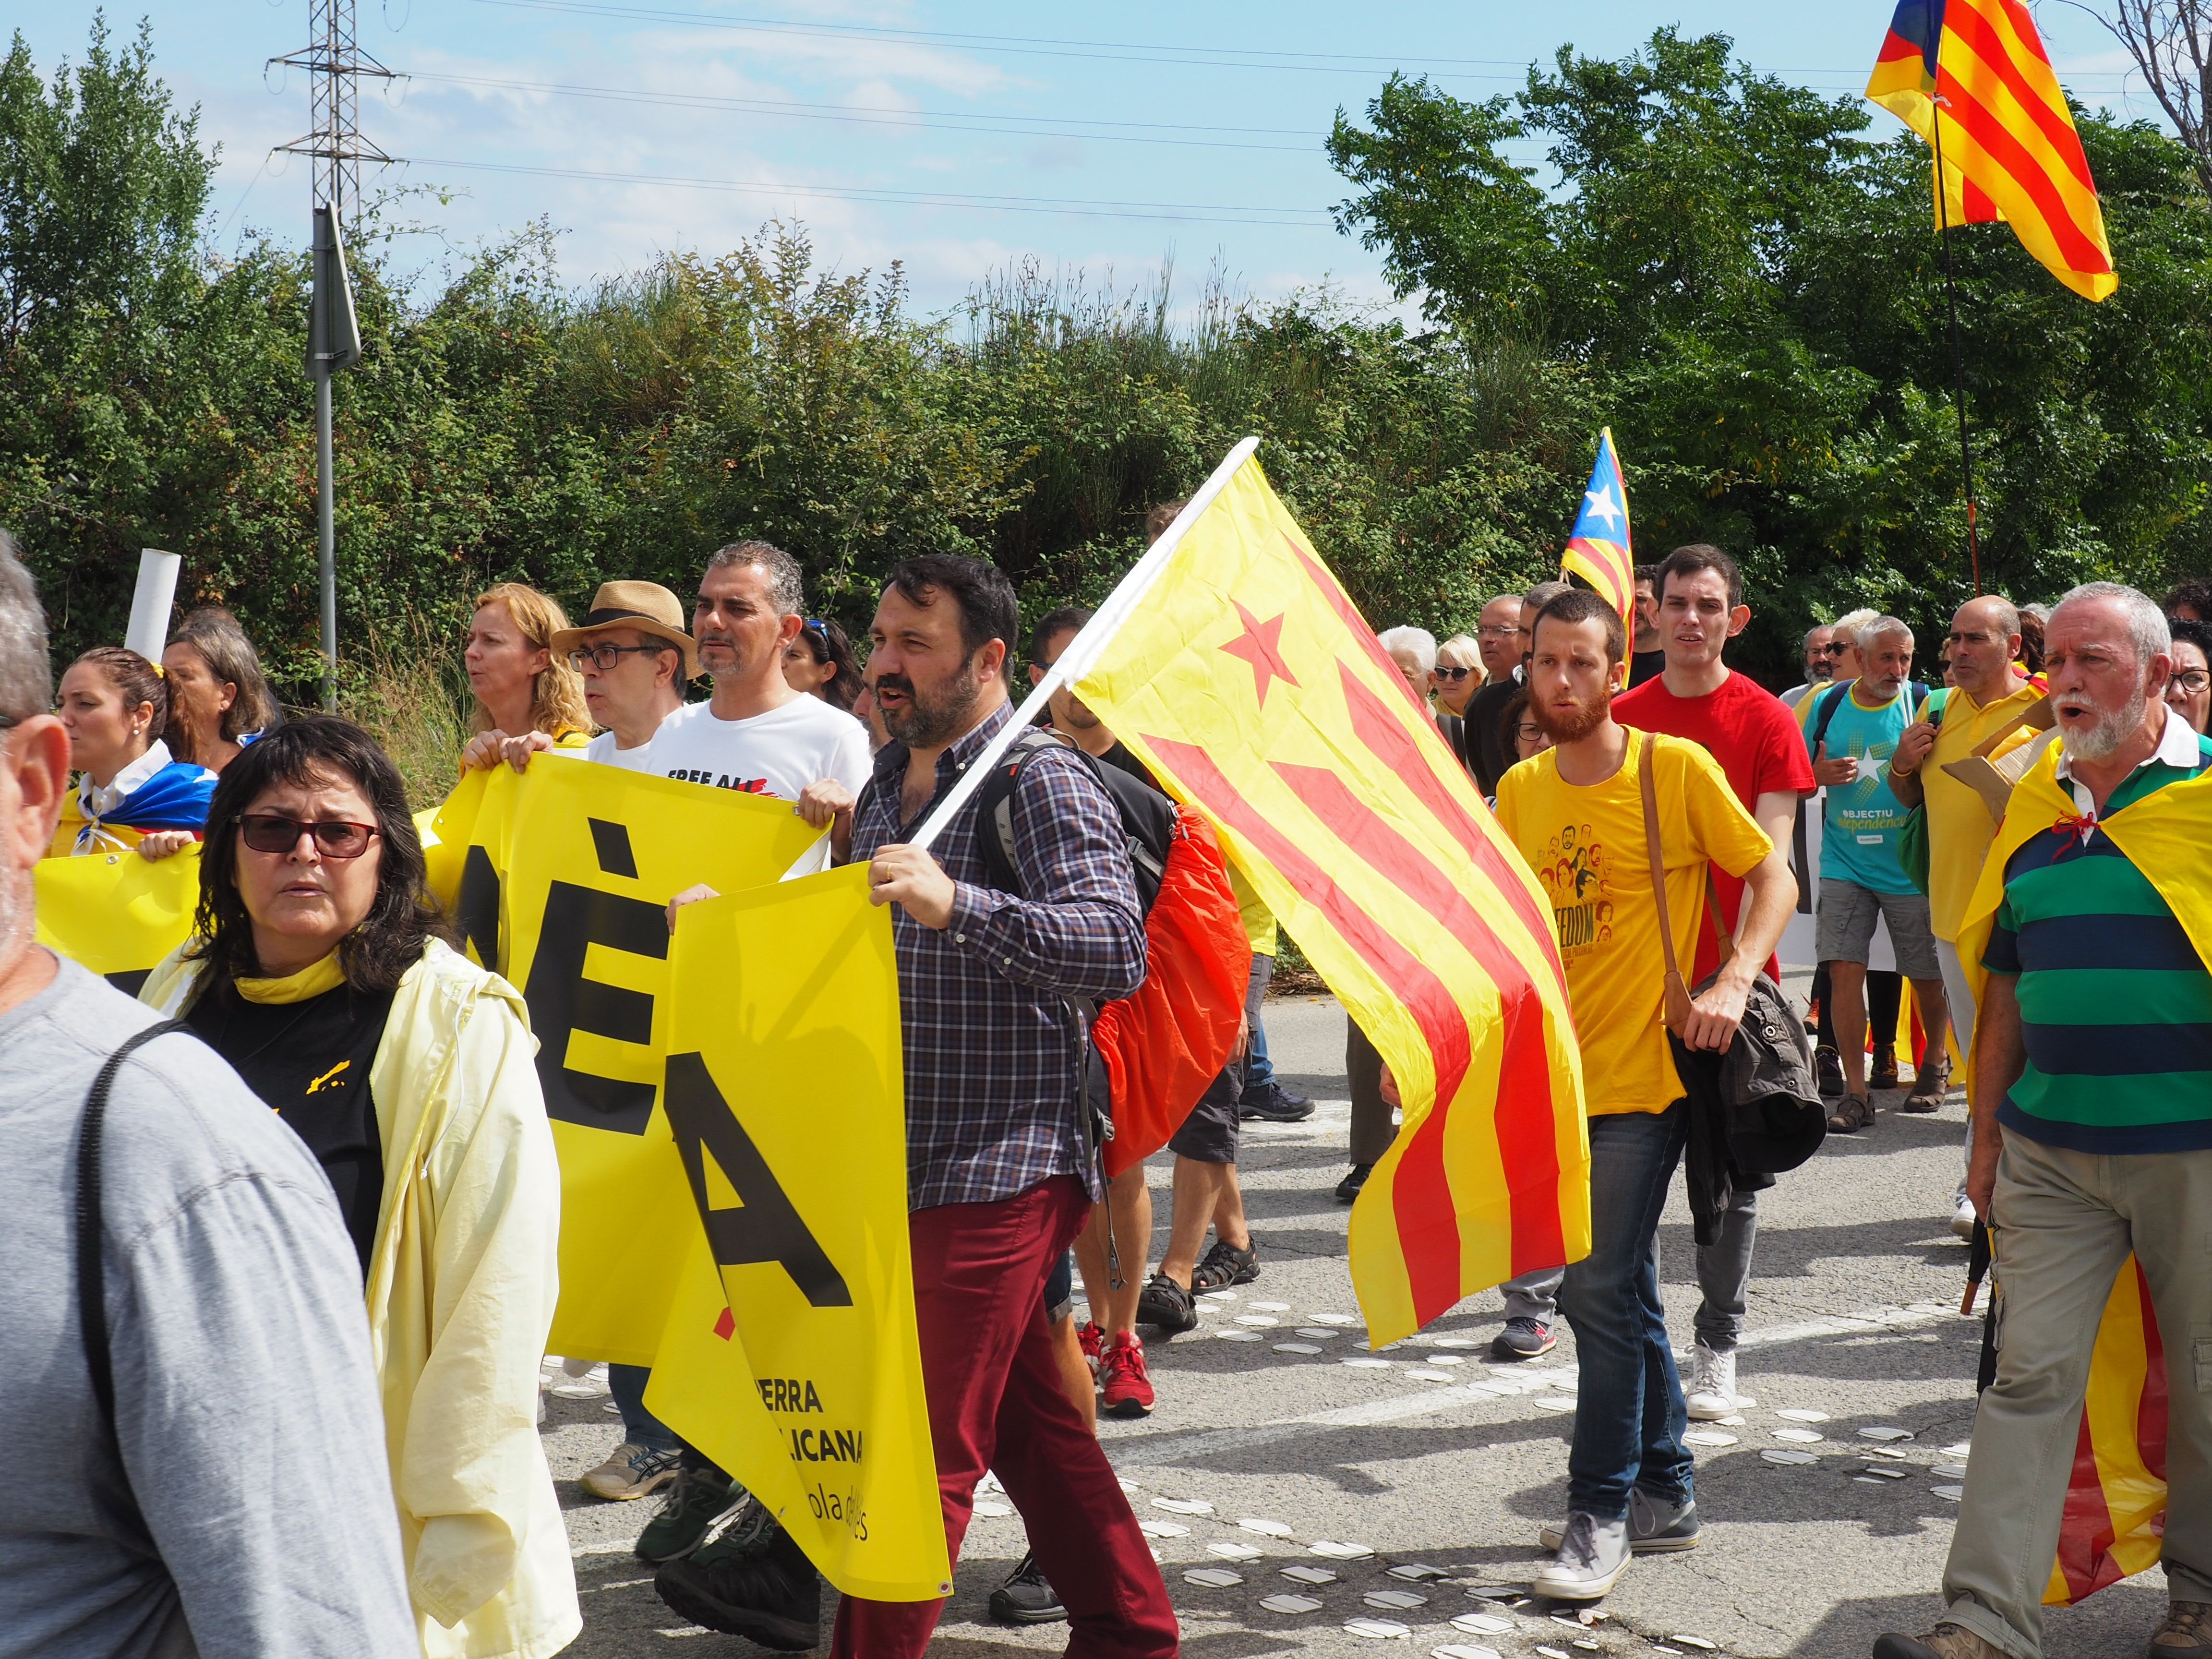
(1654, 1528)
(632, 1471)
(1592, 1555)
(1522, 1337)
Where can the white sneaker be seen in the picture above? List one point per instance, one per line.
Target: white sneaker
(1593, 1554)
(1963, 1218)
(1711, 1391)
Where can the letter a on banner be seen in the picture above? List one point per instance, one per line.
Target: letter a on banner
(791, 1356)
(560, 878)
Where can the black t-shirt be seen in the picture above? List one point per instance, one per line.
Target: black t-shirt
(309, 1060)
(1122, 756)
(1645, 666)
(1486, 715)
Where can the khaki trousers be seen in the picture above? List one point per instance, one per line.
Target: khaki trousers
(2065, 1222)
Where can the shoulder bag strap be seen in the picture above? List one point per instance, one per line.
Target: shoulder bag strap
(1677, 993)
(91, 1269)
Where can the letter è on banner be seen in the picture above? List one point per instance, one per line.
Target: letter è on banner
(559, 877)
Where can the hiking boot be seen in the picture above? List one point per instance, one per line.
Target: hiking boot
(1025, 1598)
(1224, 1266)
(1654, 1528)
(1093, 1341)
(2186, 1633)
(1884, 1075)
(693, 1503)
(1929, 1083)
(1709, 1393)
(1348, 1189)
(773, 1598)
(1523, 1337)
(1271, 1102)
(632, 1471)
(1166, 1304)
(1946, 1641)
(1592, 1554)
(1828, 1067)
(1853, 1113)
(1125, 1387)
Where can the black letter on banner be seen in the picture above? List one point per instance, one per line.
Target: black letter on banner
(475, 908)
(562, 1000)
(764, 1227)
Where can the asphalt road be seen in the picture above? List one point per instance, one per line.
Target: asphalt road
(1437, 1458)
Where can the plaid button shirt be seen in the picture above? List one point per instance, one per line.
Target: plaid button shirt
(993, 1051)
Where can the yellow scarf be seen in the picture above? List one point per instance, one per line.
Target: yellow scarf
(311, 981)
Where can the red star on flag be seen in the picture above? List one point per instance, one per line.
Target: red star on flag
(1259, 645)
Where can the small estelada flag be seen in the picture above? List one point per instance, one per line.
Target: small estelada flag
(1244, 676)
(1598, 548)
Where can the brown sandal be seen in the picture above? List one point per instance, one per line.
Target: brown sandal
(1852, 1114)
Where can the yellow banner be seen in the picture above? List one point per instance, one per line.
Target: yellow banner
(116, 913)
(559, 878)
(792, 1358)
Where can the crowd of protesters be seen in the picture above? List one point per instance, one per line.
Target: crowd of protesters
(417, 1221)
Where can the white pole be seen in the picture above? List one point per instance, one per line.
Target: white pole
(1085, 648)
(148, 632)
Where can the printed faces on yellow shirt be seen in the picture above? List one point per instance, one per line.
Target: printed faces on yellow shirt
(1959, 828)
(1587, 847)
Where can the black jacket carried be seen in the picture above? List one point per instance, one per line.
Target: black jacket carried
(1754, 1110)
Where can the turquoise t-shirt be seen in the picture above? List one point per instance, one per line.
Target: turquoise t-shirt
(1858, 836)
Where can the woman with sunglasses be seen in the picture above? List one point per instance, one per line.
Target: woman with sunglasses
(318, 971)
(130, 790)
(820, 663)
(1459, 673)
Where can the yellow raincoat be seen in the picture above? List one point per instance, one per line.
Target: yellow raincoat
(461, 1287)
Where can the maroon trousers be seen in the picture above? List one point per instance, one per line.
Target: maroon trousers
(996, 1402)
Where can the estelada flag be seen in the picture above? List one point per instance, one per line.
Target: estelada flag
(1972, 79)
(791, 1356)
(1598, 548)
(2115, 1502)
(1245, 679)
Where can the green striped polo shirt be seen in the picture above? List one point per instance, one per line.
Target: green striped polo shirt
(2115, 1004)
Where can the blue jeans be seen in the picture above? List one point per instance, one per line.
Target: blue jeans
(1259, 1070)
(639, 1426)
(1629, 1416)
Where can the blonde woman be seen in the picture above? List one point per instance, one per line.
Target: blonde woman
(521, 685)
(1459, 673)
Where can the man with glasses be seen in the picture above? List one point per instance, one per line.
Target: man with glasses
(1505, 647)
(1988, 695)
(635, 659)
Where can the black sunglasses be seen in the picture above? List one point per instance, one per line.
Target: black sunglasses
(335, 838)
(1444, 673)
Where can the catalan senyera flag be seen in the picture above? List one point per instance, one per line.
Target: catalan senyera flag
(791, 1356)
(2115, 1502)
(2010, 148)
(1248, 682)
(1598, 549)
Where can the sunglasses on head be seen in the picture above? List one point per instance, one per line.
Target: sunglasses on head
(335, 838)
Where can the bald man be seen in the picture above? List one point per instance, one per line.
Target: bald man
(1988, 695)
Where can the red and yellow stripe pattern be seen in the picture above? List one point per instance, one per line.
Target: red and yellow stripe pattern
(2009, 147)
(1598, 548)
(2115, 1502)
(1249, 684)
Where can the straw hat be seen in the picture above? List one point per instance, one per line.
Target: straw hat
(646, 606)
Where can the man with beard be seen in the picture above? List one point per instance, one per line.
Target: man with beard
(1745, 727)
(2093, 1123)
(1000, 1177)
(1575, 813)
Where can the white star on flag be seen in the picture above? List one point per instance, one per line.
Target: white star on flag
(1599, 504)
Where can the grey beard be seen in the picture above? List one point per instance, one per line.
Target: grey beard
(2102, 741)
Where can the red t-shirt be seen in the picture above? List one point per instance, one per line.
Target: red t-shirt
(1754, 736)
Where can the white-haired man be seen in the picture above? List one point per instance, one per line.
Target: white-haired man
(2093, 1126)
(1850, 733)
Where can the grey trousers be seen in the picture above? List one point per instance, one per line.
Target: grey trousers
(2065, 1222)
(1372, 1132)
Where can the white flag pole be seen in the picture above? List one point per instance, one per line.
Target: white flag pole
(1085, 648)
(148, 629)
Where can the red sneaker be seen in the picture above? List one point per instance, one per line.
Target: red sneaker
(1125, 1390)
(1094, 1342)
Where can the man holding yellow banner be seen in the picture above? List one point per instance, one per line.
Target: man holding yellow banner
(1001, 1173)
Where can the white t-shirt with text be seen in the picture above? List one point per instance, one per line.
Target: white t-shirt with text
(778, 753)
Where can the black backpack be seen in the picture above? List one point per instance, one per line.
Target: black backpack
(1148, 817)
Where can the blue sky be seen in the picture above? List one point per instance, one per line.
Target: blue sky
(960, 139)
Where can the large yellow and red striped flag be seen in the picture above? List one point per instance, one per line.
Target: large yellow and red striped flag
(1248, 682)
(1598, 547)
(1972, 79)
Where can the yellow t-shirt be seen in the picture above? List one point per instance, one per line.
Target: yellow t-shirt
(1586, 845)
(1259, 920)
(1959, 829)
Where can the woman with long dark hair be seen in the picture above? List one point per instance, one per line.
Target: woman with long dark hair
(821, 664)
(318, 969)
(218, 700)
(130, 790)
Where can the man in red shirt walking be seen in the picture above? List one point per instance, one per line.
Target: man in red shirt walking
(1754, 736)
